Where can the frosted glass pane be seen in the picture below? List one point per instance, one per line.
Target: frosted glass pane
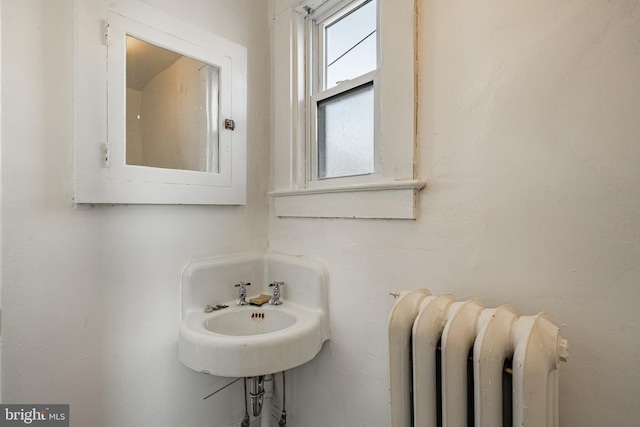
(345, 133)
(351, 45)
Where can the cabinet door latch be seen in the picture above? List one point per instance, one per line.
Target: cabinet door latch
(229, 124)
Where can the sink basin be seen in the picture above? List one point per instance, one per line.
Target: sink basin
(241, 322)
(247, 341)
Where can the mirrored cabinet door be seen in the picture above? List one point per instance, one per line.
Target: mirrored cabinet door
(171, 109)
(176, 115)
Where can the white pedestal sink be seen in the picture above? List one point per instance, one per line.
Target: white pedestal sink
(246, 341)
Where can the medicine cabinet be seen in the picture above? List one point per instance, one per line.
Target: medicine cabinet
(175, 113)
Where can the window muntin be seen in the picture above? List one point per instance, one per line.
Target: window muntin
(343, 104)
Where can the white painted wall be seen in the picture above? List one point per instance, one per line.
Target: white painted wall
(528, 139)
(529, 142)
(91, 294)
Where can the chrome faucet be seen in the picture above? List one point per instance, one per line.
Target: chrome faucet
(275, 299)
(242, 293)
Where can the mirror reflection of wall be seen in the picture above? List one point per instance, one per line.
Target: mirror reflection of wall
(171, 109)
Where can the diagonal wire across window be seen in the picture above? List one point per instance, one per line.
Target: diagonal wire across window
(350, 46)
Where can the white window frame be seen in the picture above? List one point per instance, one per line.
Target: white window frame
(316, 23)
(313, 181)
(392, 192)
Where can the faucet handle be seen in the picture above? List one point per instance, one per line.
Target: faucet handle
(275, 299)
(276, 284)
(242, 293)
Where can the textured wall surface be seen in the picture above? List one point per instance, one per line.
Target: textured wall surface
(529, 142)
(91, 294)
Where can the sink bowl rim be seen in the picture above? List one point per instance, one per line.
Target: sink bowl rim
(303, 317)
(246, 321)
(198, 345)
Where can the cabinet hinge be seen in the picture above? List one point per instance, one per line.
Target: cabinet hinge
(106, 34)
(105, 152)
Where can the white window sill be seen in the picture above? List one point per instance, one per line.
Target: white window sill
(387, 200)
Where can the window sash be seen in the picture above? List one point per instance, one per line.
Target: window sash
(323, 22)
(316, 65)
(314, 180)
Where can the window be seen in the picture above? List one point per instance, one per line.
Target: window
(345, 137)
(345, 55)
(344, 117)
(344, 60)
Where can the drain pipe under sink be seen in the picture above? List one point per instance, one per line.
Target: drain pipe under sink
(265, 417)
